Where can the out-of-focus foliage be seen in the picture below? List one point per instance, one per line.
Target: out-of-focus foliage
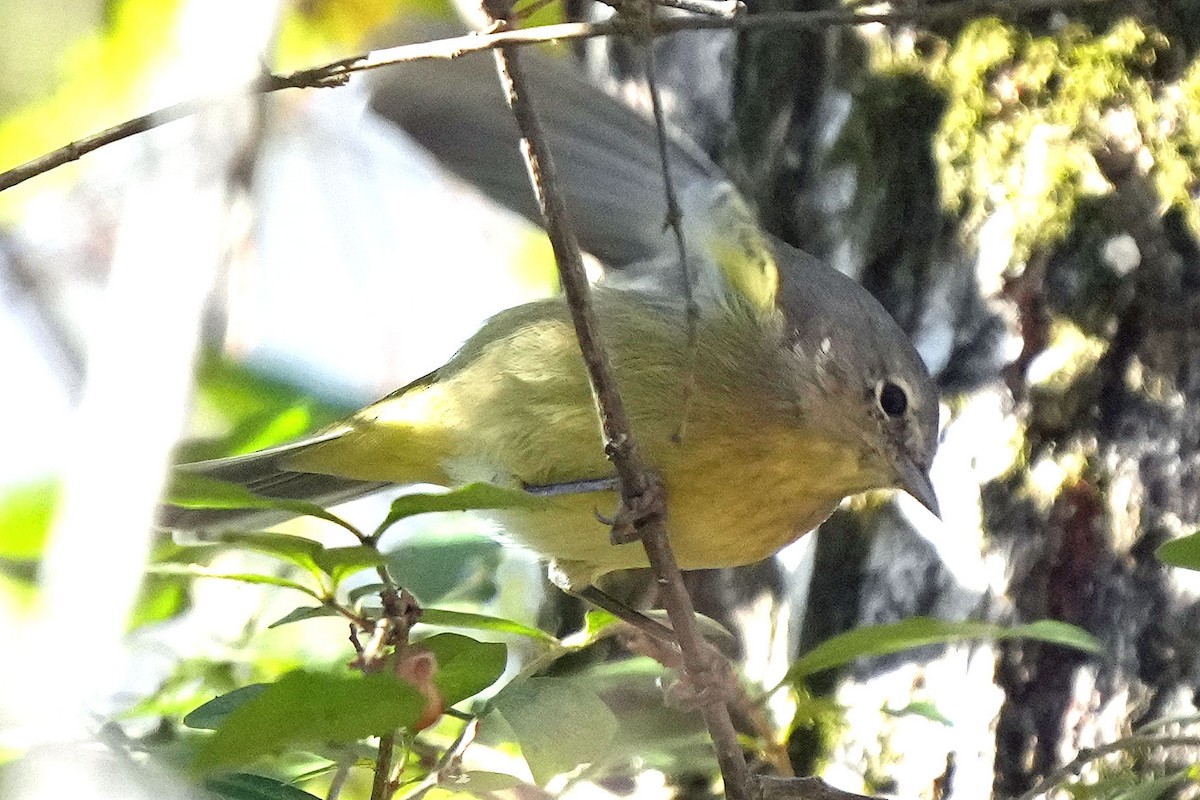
(240, 410)
(1119, 782)
(102, 80)
(563, 708)
(237, 410)
(25, 517)
(311, 32)
(35, 35)
(26, 514)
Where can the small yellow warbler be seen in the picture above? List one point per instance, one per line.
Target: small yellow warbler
(804, 390)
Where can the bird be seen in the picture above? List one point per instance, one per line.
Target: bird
(783, 390)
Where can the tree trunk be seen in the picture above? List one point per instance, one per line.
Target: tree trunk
(1070, 358)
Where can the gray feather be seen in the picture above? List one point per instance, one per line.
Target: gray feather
(606, 153)
(263, 473)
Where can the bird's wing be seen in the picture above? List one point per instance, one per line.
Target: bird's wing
(265, 473)
(609, 167)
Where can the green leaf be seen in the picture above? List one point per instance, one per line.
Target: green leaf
(302, 613)
(242, 786)
(436, 565)
(160, 598)
(655, 736)
(197, 571)
(1183, 552)
(921, 708)
(271, 429)
(258, 409)
(193, 490)
(465, 666)
(359, 592)
(877, 640)
(304, 553)
(475, 496)
(558, 723)
(210, 715)
(26, 513)
(482, 622)
(479, 782)
(597, 623)
(190, 490)
(1053, 631)
(304, 708)
(339, 562)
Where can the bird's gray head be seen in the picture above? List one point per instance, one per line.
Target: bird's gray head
(877, 392)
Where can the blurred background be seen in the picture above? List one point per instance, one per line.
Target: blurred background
(1021, 193)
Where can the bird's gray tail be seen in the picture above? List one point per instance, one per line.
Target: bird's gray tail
(265, 473)
(607, 153)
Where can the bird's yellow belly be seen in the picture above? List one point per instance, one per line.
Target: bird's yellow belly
(724, 512)
(753, 470)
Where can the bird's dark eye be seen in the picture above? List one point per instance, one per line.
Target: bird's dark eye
(892, 398)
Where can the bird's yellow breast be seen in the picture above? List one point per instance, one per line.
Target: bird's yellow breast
(750, 473)
(731, 501)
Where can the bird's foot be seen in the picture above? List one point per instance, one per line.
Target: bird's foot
(633, 513)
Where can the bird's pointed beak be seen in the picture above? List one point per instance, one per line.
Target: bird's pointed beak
(915, 481)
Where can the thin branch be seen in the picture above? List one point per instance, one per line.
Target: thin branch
(773, 788)
(716, 8)
(457, 46)
(388, 643)
(328, 75)
(348, 613)
(1088, 754)
(629, 616)
(448, 764)
(643, 505)
(675, 221)
(338, 72)
(1183, 720)
(339, 779)
(381, 786)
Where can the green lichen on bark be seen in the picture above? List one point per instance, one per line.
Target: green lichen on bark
(1027, 113)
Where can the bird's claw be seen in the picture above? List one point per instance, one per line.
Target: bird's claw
(626, 524)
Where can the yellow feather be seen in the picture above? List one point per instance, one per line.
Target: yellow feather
(514, 408)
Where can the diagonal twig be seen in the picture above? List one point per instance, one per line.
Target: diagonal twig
(328, 75)
(674, 220)
(641, 493)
